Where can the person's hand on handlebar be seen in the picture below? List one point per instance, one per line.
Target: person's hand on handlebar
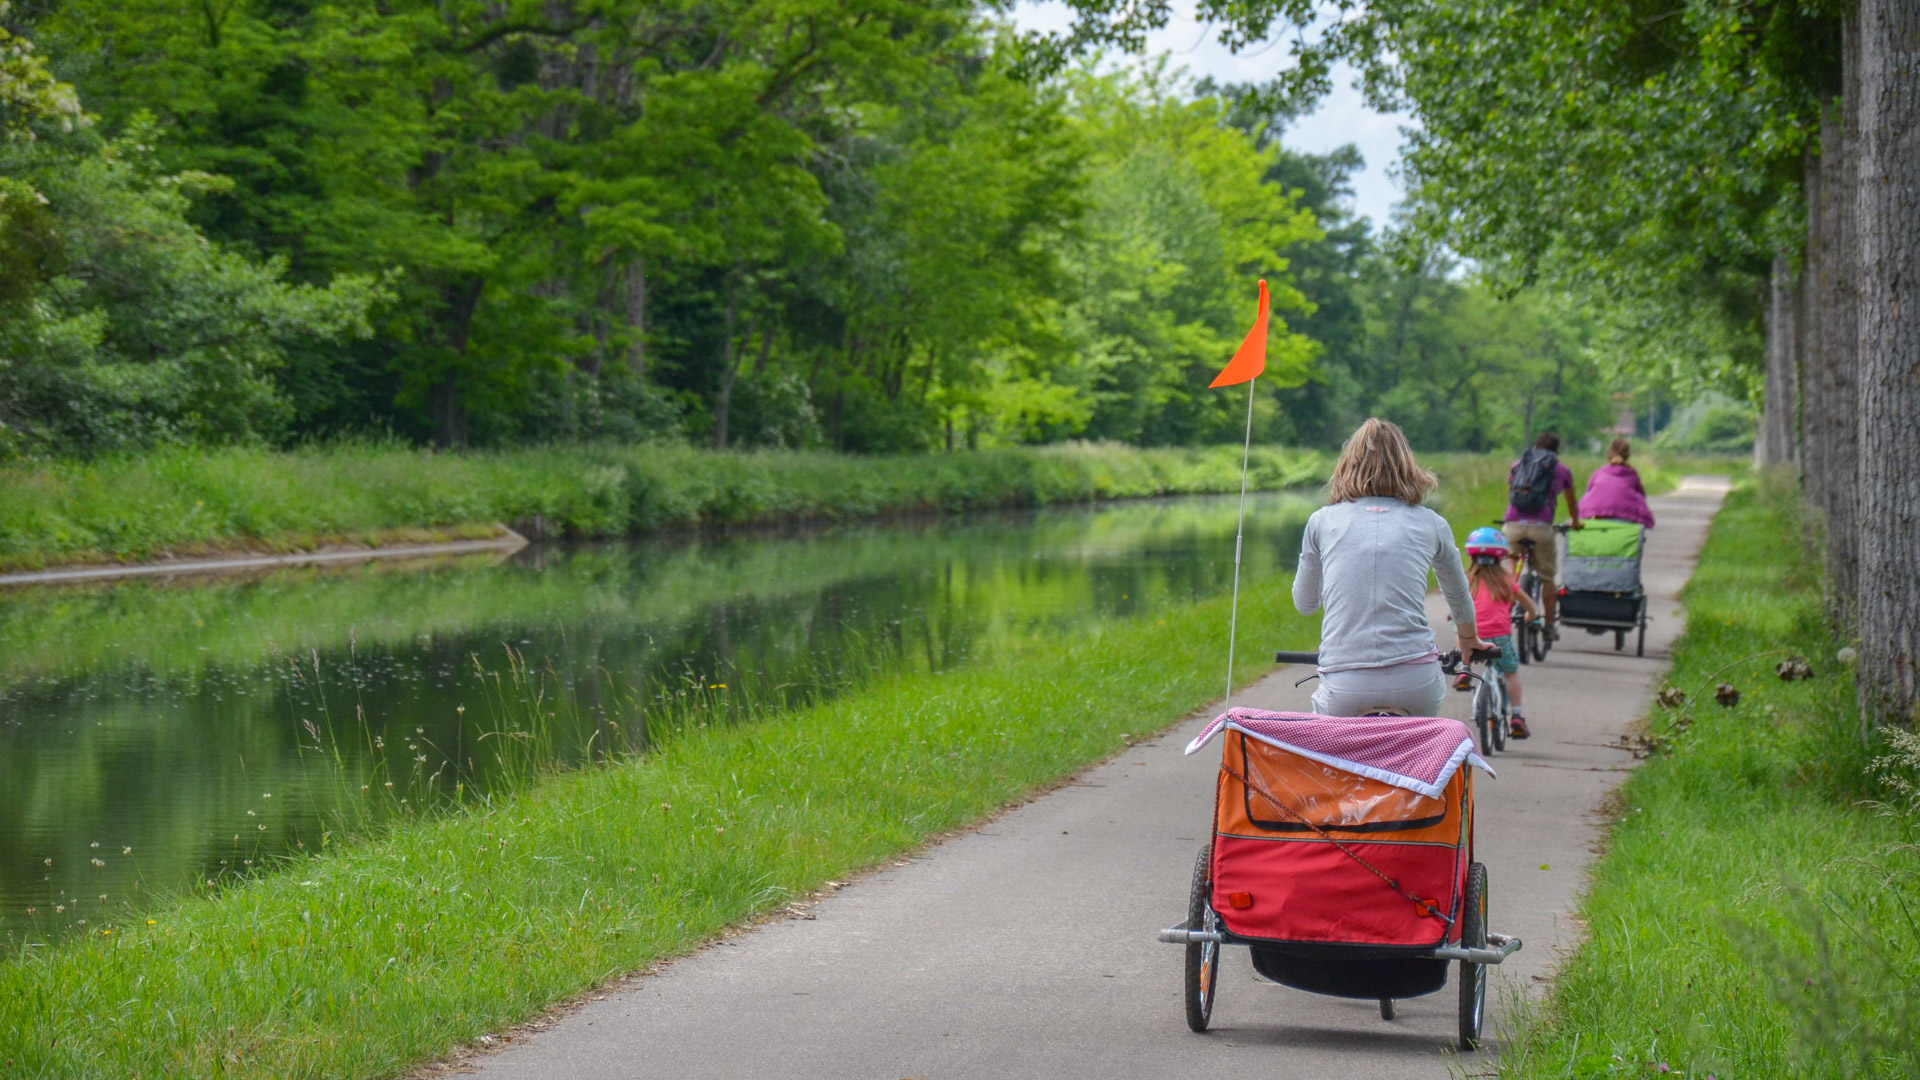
(1470, 643)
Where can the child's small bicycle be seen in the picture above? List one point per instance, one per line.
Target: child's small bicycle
(1492, 708)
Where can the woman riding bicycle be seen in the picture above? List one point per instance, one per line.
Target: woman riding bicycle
(1364, 559)
(1614, 491)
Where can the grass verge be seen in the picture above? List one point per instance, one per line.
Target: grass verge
(203, 501)
(1755, 914)
(206, 502)
(362, 961)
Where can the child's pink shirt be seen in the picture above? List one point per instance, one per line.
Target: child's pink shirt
(1491, 617)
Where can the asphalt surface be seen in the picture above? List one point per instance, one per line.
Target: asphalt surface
(1027, 949)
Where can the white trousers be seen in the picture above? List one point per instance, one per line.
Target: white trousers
(1414, 689)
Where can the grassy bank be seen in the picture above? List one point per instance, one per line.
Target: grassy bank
(191, 502)
(1755, 914)
(361, 961)
(206, 501)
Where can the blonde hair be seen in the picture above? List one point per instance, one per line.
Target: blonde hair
(1619, 450)
(1378, 461)
(1495, 577)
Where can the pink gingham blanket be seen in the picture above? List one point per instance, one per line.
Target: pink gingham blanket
(1418, 753)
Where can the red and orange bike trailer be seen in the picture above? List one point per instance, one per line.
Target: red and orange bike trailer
(1342, 856)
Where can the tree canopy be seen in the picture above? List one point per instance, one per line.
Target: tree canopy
(741, 223)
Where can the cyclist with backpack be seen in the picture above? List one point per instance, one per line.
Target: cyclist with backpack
(1534, 482)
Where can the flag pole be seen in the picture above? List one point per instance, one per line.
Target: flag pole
(1239, 533)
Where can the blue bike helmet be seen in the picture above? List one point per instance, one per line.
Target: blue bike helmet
(1488, 542)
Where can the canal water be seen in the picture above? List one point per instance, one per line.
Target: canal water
(161, 737)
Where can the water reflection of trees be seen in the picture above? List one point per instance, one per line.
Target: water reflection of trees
(210, 728)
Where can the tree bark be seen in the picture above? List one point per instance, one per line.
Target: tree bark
(636, 316)
(1889, 384)
(1832, 420)
(445, 405)
(729, 370)
(1775, 443)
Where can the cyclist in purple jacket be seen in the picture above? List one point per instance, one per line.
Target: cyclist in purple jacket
(1614, 491)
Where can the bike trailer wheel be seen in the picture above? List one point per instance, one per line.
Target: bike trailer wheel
(1473, 977)
(1203, 958)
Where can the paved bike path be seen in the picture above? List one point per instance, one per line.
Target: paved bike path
(1026, 948)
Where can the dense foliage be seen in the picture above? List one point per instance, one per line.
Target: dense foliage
(1732, 184)
(741, 223)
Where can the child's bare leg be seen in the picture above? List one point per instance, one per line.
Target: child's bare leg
(1513, 690)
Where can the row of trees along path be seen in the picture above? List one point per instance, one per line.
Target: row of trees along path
(1737, 182)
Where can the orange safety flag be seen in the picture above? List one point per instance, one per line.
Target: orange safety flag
(1251, 358)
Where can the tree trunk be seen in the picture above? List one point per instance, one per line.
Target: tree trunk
(1775, 443)
(448, 413)
(729, 370)
(445, 406)
(1823, 326)
(636, 316)
(1889, 384)
(1832, 429)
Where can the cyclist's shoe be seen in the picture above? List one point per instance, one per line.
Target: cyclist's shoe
(1464, 682)
(1520, 727)
(1553, 631)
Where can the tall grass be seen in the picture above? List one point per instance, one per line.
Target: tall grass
(1756, 912)
(184, 501)
(360, 961)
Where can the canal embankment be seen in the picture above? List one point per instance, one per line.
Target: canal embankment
(183, 504)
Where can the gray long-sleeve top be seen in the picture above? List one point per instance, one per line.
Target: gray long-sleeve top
(1366, 563)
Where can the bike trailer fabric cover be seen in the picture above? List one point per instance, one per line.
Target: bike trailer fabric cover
(1342, 831)
(1606, 561)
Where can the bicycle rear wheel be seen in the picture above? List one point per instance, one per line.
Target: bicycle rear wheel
(1537, 638)
(1502, 712)
(1483, 719)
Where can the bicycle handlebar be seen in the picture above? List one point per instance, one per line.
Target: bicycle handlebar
(1449, 660)
(1564, 526)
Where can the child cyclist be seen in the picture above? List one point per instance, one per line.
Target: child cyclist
(1494, 594)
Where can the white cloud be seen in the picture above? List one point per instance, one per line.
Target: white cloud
(1342, 117)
